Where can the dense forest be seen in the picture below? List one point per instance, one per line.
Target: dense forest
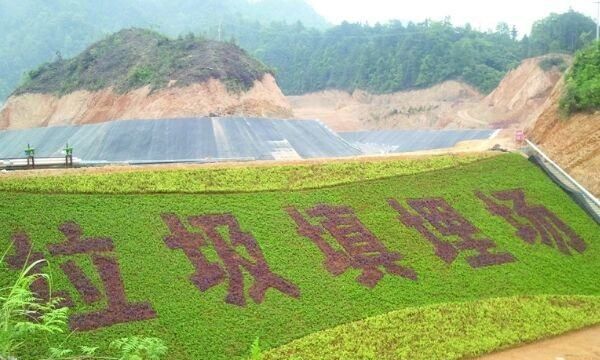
(396, 56)
(306, 54)
(382, 58)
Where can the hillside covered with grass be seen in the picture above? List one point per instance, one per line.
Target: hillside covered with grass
(447, 331)
(134, 58)
(210, 264)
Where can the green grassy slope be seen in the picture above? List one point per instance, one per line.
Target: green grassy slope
(447, 331)
(199, 325)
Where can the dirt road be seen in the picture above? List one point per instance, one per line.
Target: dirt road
(582, 345)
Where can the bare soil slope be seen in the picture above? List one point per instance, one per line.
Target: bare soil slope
(574, 143)
(427, 108)
(210, 98)
(519, 99)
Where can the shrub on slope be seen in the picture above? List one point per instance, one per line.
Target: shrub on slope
(583, 82)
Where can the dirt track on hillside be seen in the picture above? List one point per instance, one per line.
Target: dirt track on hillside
(582, 345)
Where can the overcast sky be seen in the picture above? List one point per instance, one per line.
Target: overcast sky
(482, 14)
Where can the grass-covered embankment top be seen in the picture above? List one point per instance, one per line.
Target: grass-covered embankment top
(169, 258)
(228, 178)
(135, 58)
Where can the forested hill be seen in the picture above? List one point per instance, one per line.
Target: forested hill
(135, 58)
(36, 31)
(383, 58)
(396, 56)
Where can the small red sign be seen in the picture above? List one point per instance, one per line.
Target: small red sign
(520, 136)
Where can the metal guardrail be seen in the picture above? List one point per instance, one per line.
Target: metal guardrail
(590, 203)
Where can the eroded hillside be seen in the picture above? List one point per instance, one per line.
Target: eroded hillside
(573, 142)
(210, 98)
(521, 96)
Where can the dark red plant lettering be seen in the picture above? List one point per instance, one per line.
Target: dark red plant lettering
(118, 310)
(532, 222)
(89, 293)
(209, 274)
(361, 248)
(76, 245)
(449, 223)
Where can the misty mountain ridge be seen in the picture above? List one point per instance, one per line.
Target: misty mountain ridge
(38, 31)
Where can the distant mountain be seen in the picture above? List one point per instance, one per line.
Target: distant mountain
(37, 31)
(290, 11)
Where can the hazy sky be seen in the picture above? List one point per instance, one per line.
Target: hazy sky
(482, 14)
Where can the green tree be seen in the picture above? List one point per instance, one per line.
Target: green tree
(566, 32)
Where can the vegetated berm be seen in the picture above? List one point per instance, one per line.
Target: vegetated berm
(141, 74)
